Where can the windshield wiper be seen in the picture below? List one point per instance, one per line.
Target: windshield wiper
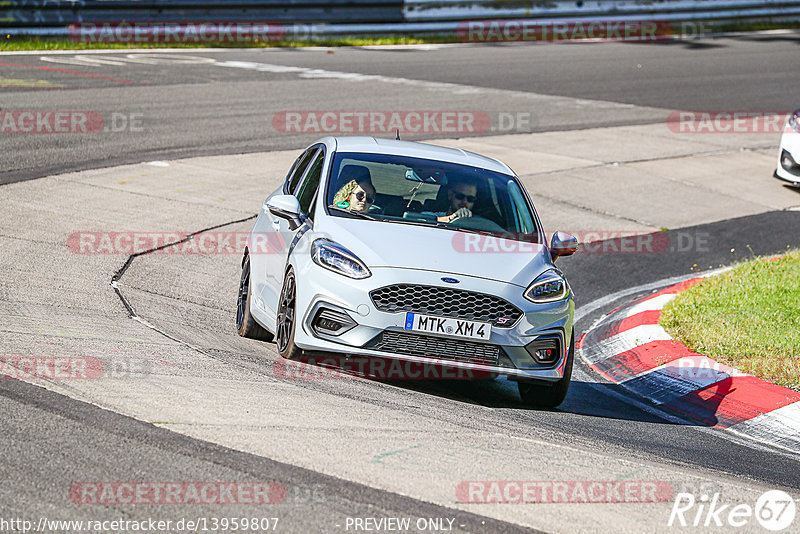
(353, 213)
(419, 222)
(448, 226)
(467, 230)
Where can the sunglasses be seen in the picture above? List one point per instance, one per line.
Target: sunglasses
(462, 196)
(361, 194)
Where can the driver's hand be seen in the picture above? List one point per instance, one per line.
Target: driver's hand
(461, 212)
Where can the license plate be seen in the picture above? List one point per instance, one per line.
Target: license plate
(447, 326)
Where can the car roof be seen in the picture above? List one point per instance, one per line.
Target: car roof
(376, 145)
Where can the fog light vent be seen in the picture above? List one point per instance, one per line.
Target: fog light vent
(332, 323)
(545, 350)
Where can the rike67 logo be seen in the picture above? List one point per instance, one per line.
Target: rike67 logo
(775, 510)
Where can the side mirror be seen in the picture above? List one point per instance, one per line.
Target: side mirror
(286, 207)
(563, 244)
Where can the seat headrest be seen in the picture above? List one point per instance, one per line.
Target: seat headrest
(359, 173)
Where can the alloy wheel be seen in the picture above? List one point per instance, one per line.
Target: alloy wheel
(286, 313)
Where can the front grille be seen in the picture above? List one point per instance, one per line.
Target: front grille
(435, 347)
(446, 302)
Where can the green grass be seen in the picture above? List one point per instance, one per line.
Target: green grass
(748, 318)
(13, 45)
(724, 27)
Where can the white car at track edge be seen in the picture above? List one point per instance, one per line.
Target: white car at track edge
(788, 168)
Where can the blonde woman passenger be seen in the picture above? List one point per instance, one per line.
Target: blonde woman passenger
(357, 193)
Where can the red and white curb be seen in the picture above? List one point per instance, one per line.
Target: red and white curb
(630, 348)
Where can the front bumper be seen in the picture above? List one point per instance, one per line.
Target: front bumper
(381, 334)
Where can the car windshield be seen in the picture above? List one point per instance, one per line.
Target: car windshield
(406, 190)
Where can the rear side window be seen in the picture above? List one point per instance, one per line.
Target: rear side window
(298, 169)
(306, 193)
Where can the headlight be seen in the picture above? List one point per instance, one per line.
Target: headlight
(338, 259)
(787, 162)
(548, 287)
(794, 120)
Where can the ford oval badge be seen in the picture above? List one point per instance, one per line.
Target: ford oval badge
(450, 280)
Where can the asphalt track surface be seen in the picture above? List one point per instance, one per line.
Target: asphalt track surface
(190, 109)
(50, 440)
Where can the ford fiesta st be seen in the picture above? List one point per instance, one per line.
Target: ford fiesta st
(376, 248)
(789, 155)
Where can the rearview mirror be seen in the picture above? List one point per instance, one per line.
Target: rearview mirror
(412, 175)
(563, 244)
(286, 207)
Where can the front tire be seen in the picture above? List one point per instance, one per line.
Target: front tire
(245, 324)
(548, 395)
(287, 319)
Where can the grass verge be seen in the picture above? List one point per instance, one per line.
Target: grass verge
(11, 44)
(748, 318)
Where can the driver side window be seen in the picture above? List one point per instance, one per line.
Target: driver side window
(298, 169)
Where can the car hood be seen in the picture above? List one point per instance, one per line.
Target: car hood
(407, 246)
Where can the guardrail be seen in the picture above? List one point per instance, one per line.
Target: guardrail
(440, 10)
(42, 13)
(324, 19)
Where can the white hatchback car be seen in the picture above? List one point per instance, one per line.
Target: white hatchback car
(788, 168)
(376, 248)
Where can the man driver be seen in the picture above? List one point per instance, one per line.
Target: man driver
(462, 196)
